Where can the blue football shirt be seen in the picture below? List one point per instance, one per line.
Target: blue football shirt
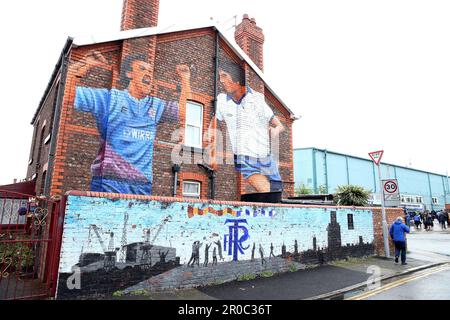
(127, 127)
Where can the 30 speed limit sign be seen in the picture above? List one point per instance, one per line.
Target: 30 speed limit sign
(390, 186)
(391, 193)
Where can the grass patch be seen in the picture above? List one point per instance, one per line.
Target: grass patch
(293, 268)
(139, 293)
(267, 274)
(118, 294)
(247, 277)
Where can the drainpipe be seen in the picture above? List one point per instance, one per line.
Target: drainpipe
(175, 169)
(211, 172)
(216, 74)
(326, 168)
(348, 172)
(212, 178)
(445, 191)
(314, 163)
(56, 118)
(431, 193)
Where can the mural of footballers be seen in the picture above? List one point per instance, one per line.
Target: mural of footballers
(127, 122)
(251, 125)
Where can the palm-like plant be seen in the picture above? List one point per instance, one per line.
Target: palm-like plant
(351, 195)
(302, 190)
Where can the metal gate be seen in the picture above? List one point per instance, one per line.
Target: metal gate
(29, 251)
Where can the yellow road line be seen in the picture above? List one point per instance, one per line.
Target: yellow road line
(399, 283)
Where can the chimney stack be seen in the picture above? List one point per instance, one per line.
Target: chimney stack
(250, 38)
(137, 14)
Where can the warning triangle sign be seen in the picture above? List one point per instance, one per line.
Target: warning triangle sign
(376, 156)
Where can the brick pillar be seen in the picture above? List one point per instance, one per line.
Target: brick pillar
(138, 14)
(250, 38)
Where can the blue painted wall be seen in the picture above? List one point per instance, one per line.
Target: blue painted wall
(342, 169)
(176, 226)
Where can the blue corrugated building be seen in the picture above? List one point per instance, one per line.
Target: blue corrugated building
(326, 170)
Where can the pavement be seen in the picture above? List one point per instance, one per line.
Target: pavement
(431, 283)
(312, 283)
(337, 280)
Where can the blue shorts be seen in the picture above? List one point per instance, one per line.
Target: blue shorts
(100, 184)
(249, 166)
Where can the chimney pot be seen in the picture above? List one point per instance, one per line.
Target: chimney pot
(250, 38)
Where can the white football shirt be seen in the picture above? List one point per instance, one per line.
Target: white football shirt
(248, 123)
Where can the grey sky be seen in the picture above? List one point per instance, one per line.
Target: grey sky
(364, 75)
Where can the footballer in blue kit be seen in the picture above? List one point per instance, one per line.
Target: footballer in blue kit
(127, 122)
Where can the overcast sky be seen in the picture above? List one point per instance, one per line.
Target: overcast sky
(363, 75)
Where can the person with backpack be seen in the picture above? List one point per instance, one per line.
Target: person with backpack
(398, 234)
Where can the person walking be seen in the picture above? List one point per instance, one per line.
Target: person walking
(430, 222)
(407, 218)
(442, 219)
(417, 221)
(398, 234)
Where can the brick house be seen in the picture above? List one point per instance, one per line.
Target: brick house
(149, 111)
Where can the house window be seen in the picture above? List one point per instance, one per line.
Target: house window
(191, 189)
(194, 125)
(419, 199)
(435, 200)
(351, 225)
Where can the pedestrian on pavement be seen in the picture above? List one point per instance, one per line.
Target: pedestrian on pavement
(417, 221)
(407, 218)
(398, 234)
(442, 219)
(430, 222)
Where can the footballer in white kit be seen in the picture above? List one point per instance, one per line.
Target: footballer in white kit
(250, 122)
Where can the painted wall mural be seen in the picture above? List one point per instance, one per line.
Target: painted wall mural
(128, 244)
(252, 127)
(130, 108)
(127, 122)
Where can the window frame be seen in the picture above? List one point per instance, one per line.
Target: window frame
(350, 221)
(191, 195)
(200, 145)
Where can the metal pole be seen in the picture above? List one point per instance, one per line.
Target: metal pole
(383, 212)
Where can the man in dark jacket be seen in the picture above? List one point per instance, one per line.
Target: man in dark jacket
(397, 233)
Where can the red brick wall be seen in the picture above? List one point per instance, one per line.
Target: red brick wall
(391, 216)
(78, 139)
(40, 147)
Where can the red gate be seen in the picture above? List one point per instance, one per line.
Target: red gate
(29, 246)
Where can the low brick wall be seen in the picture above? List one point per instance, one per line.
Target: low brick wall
(127, 243)
(391, 216)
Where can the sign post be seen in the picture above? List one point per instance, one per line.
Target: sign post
(391, 193)
(376, 157)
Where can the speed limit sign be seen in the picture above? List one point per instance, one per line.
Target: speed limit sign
(390, 186)
(391, 193)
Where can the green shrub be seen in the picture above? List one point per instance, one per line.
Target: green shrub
(302, 190)
(351, 195)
